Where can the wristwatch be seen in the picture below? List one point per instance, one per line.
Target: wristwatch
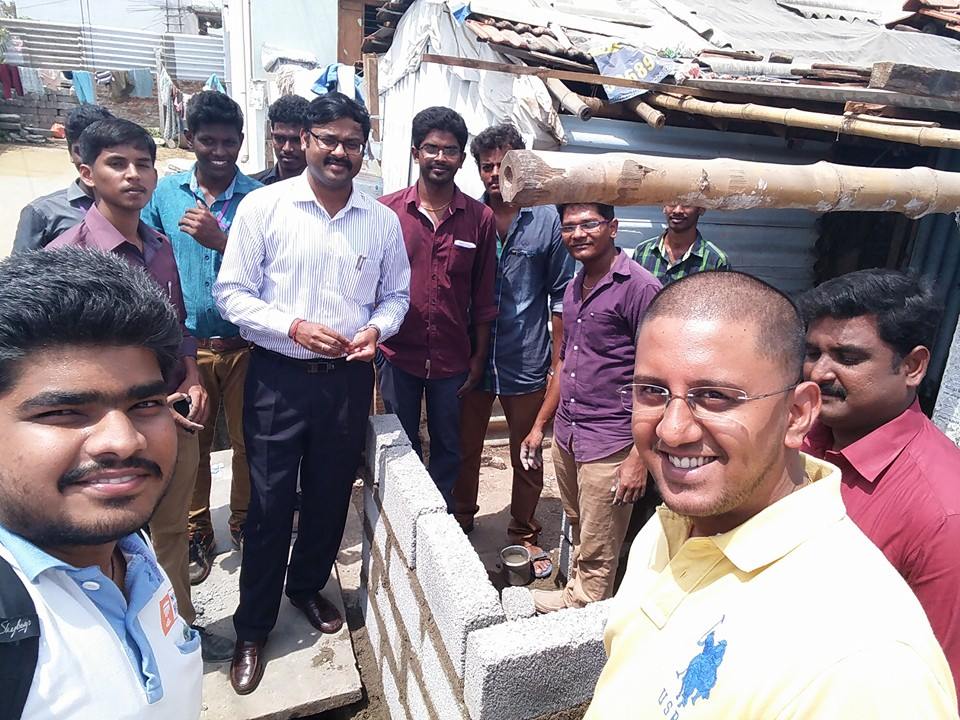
(369, 327)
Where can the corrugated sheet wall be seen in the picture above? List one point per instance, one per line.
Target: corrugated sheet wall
(63, 46)
(775, 245)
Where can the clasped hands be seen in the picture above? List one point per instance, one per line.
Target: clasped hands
(321, 339)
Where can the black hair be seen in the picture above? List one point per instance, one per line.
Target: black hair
(210, 107)
(906, 310)
(439, 118)
(80, 118)
(114, 132)
(68, 297)
(289, 110)
(729, 295)
(334, 106)
(496, 137)
(607, 212)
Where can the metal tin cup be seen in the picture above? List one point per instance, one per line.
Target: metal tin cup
(515, 561)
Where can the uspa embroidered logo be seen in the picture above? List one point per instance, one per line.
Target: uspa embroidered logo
(699, 677)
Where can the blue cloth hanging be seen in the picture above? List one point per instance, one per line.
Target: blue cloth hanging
(83, 87)
(214, 83)
(142, 83)
(327, 82)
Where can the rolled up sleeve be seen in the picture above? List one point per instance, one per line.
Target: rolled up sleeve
(393, 296)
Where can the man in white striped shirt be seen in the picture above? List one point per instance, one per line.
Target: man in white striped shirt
(315, 275)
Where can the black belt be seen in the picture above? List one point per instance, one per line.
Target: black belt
(313, 366)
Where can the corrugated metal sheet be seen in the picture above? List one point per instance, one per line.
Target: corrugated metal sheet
(775, 245)
(63, 46)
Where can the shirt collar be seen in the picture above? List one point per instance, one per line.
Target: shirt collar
(76, 192)
(778, 529)
(874, 452)
(102, 235)
(698, 248)
(412, 196)
(298, 189)
(240, 184)
(33, 561)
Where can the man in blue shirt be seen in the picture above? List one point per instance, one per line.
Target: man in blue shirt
(87, 449)
(195, 210)
(533, 270)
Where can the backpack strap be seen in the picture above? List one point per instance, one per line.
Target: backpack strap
(19, 642)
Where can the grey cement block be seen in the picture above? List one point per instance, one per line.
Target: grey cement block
(405, 600)
(455, 584)
(524, 669)
(416, 698)
(372, 523)
(383, 432)
(517, 603)
(391, 694)
(444, 691)
(407, 492)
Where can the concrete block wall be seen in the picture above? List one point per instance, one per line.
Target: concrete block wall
(446, 644)
(41, 111)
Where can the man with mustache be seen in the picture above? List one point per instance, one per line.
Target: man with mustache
(117, 164)
(195, 209)
(681, 250)
(751, 594)
(315, 275)
(286, 116)
(440, 351)
(89, 347)
(868, 339)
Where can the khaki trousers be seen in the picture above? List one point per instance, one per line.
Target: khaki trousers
(521, 412)
(598, 527)
(223, 375)
(168, 526)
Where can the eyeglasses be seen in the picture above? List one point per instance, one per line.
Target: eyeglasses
(332, 142)
(705, 403)
(587, 227)
(431, 151)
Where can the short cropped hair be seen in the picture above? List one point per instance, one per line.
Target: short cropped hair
(906, 310)
(496, 137)
(114, 132)
(71, 297)
(728, 295)
(210, 107)
(607, 212)
(289, 110)
(80, 118)
(439, 118)
(334, 106)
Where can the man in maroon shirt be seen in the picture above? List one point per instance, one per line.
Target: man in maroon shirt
(867, 347)
(598, 469)
(441, 348)
(118, 164)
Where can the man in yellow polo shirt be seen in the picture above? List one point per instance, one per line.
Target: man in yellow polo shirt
(751, 594)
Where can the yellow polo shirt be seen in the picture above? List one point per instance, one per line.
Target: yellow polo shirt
(794, 614)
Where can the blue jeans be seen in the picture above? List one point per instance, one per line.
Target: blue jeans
(402, 394)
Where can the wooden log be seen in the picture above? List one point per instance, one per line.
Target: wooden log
(533, 177)
(923, 136)
(916, 80)
(568, 99)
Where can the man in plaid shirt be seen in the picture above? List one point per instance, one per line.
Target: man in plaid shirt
(681, 249)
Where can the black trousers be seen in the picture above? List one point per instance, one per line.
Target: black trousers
(306, 419)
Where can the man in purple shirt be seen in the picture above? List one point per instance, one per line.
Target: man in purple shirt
(118, 163)
(441, 349)
(598, 470)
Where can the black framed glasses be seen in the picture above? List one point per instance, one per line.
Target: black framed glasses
(332, 142)
(588, 227)
(705, 403)
(431, 151)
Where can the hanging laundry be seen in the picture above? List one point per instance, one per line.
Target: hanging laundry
(122, 85)
(214, 83)
(10, 77)
(327, 82)
(83, 87)
(104, 77)
(142, 83)
(30, 80)
(50, 79)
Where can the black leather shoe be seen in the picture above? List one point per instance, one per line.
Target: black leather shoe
(246, 668)
(320, 612)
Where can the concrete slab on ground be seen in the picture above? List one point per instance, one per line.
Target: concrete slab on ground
(307, 672)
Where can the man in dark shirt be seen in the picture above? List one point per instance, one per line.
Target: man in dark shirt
(49, 216)
(287, 116)
(451, 242)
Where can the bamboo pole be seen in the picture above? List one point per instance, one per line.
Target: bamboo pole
(531, 177)
(923, 136)
(568, 99)
(653, 117)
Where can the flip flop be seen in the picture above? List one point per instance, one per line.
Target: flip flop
(542, 555)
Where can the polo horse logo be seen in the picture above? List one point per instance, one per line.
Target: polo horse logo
(701, 674)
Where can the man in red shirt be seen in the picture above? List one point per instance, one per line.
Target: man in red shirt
(868, 335)
(441, 348)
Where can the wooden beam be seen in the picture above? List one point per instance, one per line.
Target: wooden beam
(916, 79)
(535, 177)
(370, 76)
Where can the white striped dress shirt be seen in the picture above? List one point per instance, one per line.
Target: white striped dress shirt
(288, 259)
